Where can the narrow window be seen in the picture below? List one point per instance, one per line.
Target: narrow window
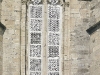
(53, 41)
(54, 37)
(35, 37)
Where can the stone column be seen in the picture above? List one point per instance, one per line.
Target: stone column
(2, 29)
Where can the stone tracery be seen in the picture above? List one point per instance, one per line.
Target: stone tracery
(35, 33)
(54, 37)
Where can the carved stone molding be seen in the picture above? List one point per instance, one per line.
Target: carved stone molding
(53, 2)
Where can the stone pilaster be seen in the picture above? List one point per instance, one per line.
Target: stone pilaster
(2, 29)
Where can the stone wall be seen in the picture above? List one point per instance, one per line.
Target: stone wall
(81, 50)
(78, 41)
(13, 16)
(95, 39)
(79, 57)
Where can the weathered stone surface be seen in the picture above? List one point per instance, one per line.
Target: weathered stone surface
(81, 51)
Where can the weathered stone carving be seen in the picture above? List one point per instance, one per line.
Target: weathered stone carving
(53, 2)
(36, 2)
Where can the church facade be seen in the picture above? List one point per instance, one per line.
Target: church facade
(49, 37)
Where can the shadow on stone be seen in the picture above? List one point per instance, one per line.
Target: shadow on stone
(92, 29)
(2, 28)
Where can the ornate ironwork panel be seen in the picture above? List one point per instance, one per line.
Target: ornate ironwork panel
(54, 38)
(35, 37)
